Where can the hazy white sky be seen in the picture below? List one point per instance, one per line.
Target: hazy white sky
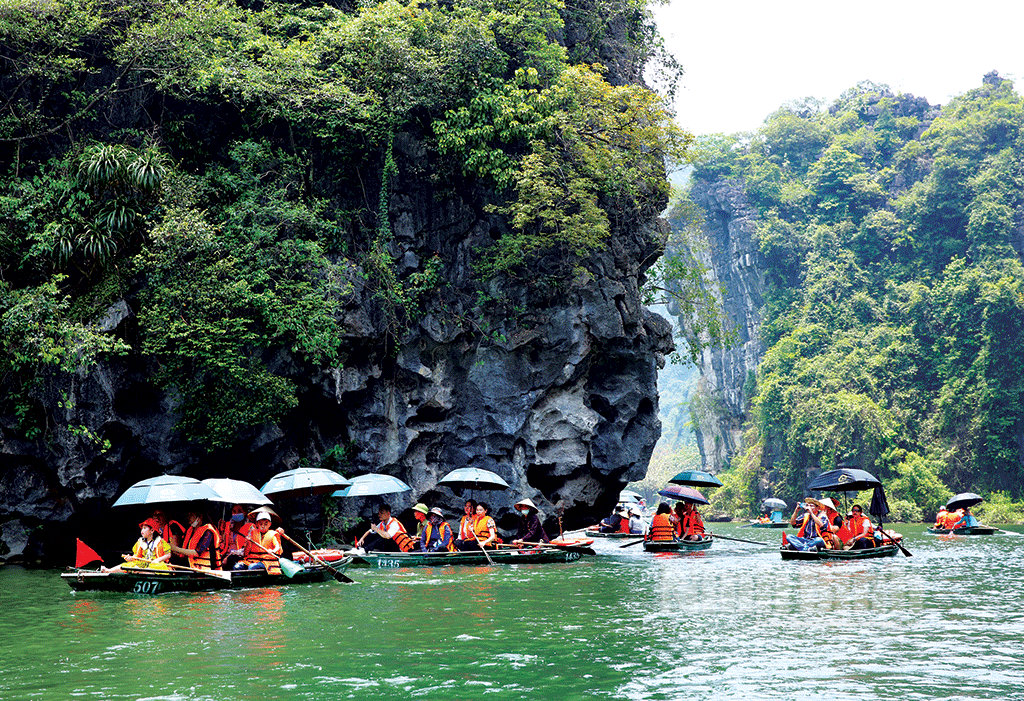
(743, 59)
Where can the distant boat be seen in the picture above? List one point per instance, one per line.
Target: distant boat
(678, 545)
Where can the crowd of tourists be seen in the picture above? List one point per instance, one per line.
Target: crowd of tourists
(244, 541)
(477, 530)
(250, 540)
(821, 526)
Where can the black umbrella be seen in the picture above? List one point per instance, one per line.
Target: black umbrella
(879, 504)
(963, 501)
(696, 478)
(845, 479)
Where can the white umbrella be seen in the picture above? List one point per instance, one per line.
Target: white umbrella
(236, 492)
(164, 489)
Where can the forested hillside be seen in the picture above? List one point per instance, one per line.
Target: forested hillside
(890, 235)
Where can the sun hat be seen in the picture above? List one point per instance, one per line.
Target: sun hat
(436, 511)
(528, 504)
(422, 508)
(152, 523)
(263, 516)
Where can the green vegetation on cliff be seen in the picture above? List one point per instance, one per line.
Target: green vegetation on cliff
(892, 234)
(229, 170)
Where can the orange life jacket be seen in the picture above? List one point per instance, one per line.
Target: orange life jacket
(272, 542)
(950, 520)
(857, 526)
(466, 527)
(402, 539)
(802, 533)
(662, 528)
(624, 524)
(206, 560)
(231, 539)
(428, 530)
(693, 524)
(482, 526)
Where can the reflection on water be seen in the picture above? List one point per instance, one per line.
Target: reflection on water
(732, 622)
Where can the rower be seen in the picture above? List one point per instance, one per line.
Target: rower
(266, 553)
(530, 528)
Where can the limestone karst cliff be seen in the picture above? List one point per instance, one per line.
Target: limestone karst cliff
(276, 150)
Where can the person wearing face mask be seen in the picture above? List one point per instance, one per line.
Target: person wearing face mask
(437, 535)
(530, 528)
(201, 543)
(234, 537)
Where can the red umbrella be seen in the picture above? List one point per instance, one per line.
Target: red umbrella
(683, 493)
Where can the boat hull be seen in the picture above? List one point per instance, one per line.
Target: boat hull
(887, 550)
(599, 534)
(664, 546)
(761, 524)
(513, 556)
(969, 530)
(163, 582)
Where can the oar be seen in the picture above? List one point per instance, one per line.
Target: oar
(341, 577)
(894, 541)
(741, 540)
(633, 543)
(581, 549)
(289, 568)
(219, 574)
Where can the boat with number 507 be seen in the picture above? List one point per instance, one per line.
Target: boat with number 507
(153, 581)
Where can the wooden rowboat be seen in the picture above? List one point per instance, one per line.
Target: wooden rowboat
(510, 556)
(147, 581)
(967, 530)
(887, 550)
(662, 546)
(769, 524)
(598, 534)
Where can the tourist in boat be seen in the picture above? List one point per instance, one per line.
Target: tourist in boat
(677, 516)
(149, 552)
(465, 540)
(267, 549)
(531, 530)
(437, 535)
(662, 527)
(837, 531)
(201, 544)
(419, 512)
(692, 523)
(950, 519)
(172, 532)
(862, 533)
(613, 523)
(966, 519)
(637, 522)
(234, 538)
(940, 518)
(811, 527)
(484, 527)
(389, 535)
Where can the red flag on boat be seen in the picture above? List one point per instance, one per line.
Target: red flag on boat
(85, 554)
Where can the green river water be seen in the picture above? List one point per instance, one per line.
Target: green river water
(734, 622)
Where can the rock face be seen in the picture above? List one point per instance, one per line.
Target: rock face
(564, 410)
(735, 266)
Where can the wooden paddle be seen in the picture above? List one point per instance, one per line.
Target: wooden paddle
(581, 549)
(341, 577)
(486, 554)
(633, 543)
(741, 540)
(894, 541)
(219, 574)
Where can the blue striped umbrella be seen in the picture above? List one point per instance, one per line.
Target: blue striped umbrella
(166, 488)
